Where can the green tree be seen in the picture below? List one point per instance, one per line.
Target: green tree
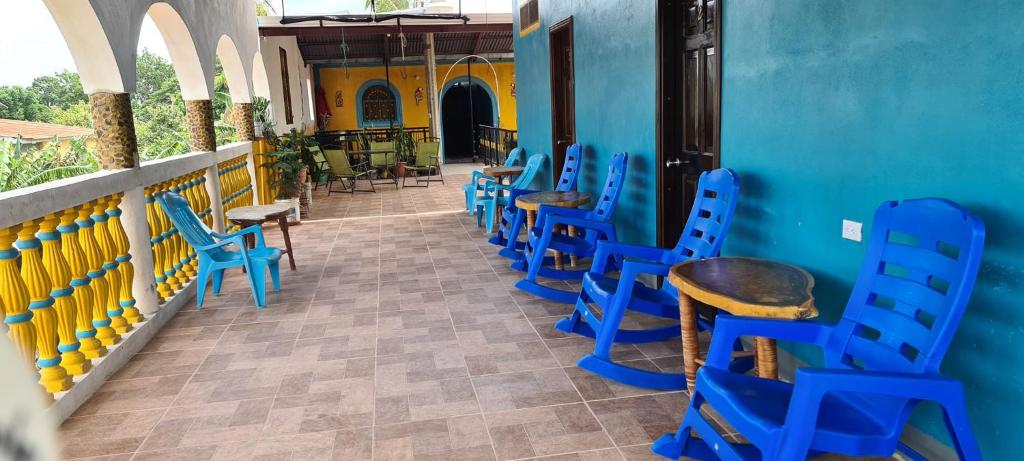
(19, 103)
(154, 79)
(77, 114)
(62, 89)
(384, 6)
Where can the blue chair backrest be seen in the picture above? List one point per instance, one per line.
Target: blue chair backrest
(515, 157)
(185, 220)
(921, 262)
(571, 168)
(613, 186)
(533, 165)
(710, 217)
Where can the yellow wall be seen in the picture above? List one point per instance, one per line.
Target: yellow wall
(333, 79)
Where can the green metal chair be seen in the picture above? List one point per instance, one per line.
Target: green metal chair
(427, 160)
(322, 173)
(342, 169)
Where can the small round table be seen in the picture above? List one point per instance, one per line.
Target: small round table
(746, 287)
(532, 202)
(499, 172)
(246, 216)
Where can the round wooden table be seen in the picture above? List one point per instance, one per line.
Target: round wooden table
(246, 216)
(532, 202)
(499, 172)
(746, 287)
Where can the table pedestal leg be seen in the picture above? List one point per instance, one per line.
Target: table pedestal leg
(691, 344)
(283, 223)
(572, 258)
(767, 362)
(531, 219)
(558, 254)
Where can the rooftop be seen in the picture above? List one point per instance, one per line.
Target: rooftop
(39, 131)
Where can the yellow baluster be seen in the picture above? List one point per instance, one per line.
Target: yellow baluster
(14, 297)
(181, 256)
(163, 291)
(113, 272)
(188, 265)
(71, 358)
(205, 196)
(193, 191)
(170, 244)
(83, 295)
(100, 289)
(123, 260)
(37, 280)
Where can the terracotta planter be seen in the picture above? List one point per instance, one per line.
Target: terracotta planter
(293, 203)
(303, 173)
(400, 170)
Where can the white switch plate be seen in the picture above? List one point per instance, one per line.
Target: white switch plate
(852, 230)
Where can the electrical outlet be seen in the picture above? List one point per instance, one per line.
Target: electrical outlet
(852, 230)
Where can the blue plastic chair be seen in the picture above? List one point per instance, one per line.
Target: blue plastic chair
(470, 189)
(215, 256)
(494, 192)
(513, 219)
(881, 359)
(591, 226)
(705, 230)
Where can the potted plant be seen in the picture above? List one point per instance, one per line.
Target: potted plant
(288, 169)
(405, 149)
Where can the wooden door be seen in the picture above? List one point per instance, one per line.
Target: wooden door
(563, 94)
(689, 106)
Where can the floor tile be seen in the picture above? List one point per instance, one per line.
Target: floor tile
(545, 431)
(528, 389)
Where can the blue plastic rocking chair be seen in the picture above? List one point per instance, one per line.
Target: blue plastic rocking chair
(470, 189)
(513, 219)
(494, 197)
(595, 225)
(881, 359)
(214, 256)
(702, 237)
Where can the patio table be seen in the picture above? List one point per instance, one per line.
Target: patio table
(498, 172)
(368, 153)
(532, 202)
(747, 287)
(246, 216)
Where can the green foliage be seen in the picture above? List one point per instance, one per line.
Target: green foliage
(262, 117)
(60, 90)
(405, 146)
(384, 6)
(287, 162)
(22, 165)
(77, 114)
(19, 103)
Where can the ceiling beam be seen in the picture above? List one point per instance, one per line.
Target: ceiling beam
(335, 31)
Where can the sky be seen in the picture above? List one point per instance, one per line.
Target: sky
(33, 45)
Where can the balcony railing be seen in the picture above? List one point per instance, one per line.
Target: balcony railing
(91, 267)
(493, 144)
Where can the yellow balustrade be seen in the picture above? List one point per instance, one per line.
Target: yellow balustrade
(170, 244)
(182, 269)
(44, 318)
(192, 196)
(112, 272)
(100, 288)
(80, 282)
(123, 260)
(156, 238)
(71, 358)
(14, 295)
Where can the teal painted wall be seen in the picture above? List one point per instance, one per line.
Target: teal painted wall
(615, 79)
(831, 107)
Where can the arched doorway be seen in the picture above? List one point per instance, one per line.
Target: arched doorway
(464, 104)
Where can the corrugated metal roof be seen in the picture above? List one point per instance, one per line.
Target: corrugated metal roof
(38, 131)
(329, 45)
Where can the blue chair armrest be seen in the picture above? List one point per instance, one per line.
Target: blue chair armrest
(607, 228)
(254, 229)
(620, 250)
(478, 175)
(546, 210)
(232, 239)
(728, 329)
(627, 278)
(909, 385)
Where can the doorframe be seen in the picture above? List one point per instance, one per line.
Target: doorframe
(669, 62)
(440, 104)
(557, 28)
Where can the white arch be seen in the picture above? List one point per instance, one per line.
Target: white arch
(497, 84)
(184, 57)
(234, 71)
(85, 38)
(260, 81)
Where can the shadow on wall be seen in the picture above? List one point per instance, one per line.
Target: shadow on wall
(591, 174)
(638, 180)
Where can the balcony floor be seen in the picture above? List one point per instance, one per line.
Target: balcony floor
(400, 336)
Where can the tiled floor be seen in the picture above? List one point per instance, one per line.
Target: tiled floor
(400, 337)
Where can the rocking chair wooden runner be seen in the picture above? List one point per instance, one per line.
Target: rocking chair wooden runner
(513, 219)
(702, 237)
(881, 359)
(595, 225)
